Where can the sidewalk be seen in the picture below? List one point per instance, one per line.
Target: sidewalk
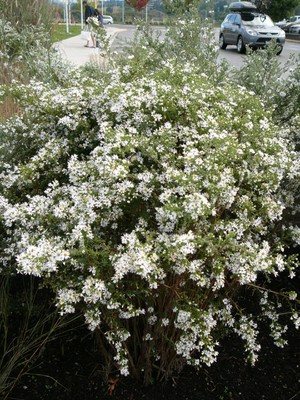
(73, 49)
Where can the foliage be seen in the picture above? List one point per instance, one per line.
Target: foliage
(151, 204)
(25, 41)
(155, 198)
(277, 9)
(263, 73)
(12, 42)
(276, 84)
(25, 51)
(101, 36)
(179, 7)
(187, 39)
(26, 54)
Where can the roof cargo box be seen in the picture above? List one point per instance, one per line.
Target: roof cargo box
(242, 6)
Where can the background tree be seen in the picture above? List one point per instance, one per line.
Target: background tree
(277, 9)
(179, 6)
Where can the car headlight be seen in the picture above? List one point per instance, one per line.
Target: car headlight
(282, 34)
(252, 32)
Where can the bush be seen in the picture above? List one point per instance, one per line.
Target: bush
(28, 54)
(276, 84)
(187, 39)
(155, 205)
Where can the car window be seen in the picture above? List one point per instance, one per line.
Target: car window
(253, 19)
(230, 18)
(237, 19)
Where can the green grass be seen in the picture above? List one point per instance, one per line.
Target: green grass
(59, 32)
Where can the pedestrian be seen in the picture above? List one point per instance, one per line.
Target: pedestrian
(100, 23)
(89, 12)
(100, 17)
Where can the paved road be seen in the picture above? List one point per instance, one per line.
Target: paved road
(236, 59)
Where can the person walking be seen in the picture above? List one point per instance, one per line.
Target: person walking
(100, 23)
(89, 12)
(100, 17)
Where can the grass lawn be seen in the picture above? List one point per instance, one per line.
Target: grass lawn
(59, 32)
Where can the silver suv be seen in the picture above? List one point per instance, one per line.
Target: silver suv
(245, 26)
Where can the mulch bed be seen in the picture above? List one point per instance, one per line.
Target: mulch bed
(71, 370)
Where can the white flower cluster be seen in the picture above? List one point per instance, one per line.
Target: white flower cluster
(117, 338)
(94, 291)
(196, 337)
(296, 320)
(42, 257)
(277, 330)
(66, 300)
(136, 258)
(247, 330)
(162, 193)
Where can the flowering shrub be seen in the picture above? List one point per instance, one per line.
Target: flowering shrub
(187, 39)
(101, 36)
(275, 83)
(28, 53)
(151, 205)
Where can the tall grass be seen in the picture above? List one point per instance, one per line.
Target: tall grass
(24, 12)
(8, 108)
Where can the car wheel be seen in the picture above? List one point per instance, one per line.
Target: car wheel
(222, 43)
(280, 48)
(240, 45)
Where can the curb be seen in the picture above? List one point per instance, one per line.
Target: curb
(292, 38)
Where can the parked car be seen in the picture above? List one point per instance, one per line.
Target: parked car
(245, 26)
(290, 22)
(295, 29)
(107, 20)
(282, 23)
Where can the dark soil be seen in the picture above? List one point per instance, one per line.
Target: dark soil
(72, 370)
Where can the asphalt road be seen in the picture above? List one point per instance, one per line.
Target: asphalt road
(236, 59)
